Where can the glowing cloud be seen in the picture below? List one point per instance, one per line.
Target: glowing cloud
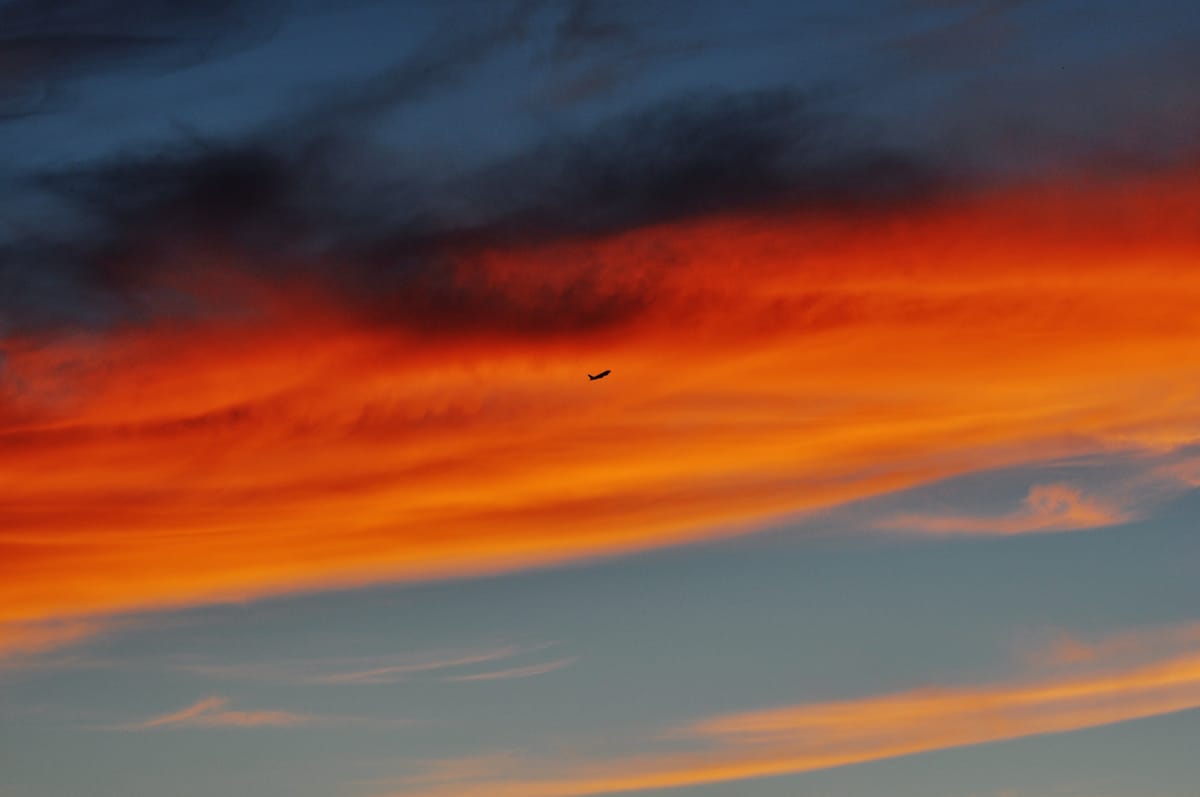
(762, 366)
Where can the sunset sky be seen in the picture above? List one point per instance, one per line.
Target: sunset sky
(892, 490)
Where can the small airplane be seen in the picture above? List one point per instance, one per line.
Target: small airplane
(600, 375)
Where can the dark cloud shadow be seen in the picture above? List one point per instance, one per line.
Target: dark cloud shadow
(401, 244)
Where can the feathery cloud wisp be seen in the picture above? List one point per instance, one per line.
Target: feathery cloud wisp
(806, 737)
(528, 671)
(1046, 508)
(214, 712)
(379, 669)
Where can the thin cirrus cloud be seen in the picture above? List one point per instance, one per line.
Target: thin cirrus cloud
(372, 670)
(806, 737)
(764, 364)
(392, 673)
(214, 712)
(513, 673)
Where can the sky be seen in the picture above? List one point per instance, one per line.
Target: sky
(891, 489)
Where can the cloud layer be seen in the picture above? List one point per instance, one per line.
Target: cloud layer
(764, 363)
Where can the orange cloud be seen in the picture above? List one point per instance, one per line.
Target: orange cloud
(770, 365)
(808, 737)
(1047, 507)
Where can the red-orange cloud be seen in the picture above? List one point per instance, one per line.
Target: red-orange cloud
(774, 364)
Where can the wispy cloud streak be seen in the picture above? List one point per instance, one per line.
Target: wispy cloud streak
(393, 673)
(21, 640)
(1047, 507)
(1129, 646)
(528, 671)
(806, 737)
(310, 445)
(373, 670)
(214, 712)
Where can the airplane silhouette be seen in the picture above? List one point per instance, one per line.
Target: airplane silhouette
(600, 375)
